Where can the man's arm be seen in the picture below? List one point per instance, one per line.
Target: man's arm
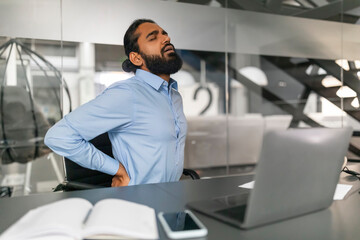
(112, 110)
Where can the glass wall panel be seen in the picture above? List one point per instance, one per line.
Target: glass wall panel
(327, 10)
(202, 86)
(286, 70)
(249, 67)
(30, 95)
(350, 75)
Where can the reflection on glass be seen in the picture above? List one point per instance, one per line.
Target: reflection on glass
(30, 103)
(294, 92)
(202, 86)
(210, 3)
(273, 83)
(329, 10)
(180, 221)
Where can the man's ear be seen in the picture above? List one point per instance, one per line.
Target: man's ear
(136, 59)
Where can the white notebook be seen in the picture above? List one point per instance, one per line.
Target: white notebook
(77, 218)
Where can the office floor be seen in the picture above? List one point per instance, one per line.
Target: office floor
(41, 175)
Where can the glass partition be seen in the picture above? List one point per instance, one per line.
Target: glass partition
(31, 99)
(284, 71)
(249, 67)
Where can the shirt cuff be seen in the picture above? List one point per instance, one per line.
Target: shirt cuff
(110, 166)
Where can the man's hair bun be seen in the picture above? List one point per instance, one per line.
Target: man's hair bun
(127, 66)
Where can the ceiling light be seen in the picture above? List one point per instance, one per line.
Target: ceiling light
(309, 69)
(357, 64)
(355, 103)
(322, 71)
(330, 81)
(345, 92)
(315, 70)
(214, 3)
(254, 74)
(292, 3)
(343, 63)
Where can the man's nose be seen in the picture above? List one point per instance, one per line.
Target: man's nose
(166, 39)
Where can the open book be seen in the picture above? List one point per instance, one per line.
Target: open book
(77, 218)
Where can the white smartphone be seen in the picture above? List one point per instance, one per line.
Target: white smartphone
(182, 225)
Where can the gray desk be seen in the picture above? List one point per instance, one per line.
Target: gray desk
(340, 221)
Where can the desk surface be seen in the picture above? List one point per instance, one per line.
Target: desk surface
(340, 221)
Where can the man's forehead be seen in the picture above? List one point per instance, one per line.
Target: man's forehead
(146, 28)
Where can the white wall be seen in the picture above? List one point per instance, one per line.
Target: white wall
(191, 26)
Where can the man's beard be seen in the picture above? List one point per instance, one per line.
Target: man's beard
(162, 65)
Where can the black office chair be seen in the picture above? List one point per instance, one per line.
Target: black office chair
(79, 178)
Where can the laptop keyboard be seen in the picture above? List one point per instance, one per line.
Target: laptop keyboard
(234, 206)
(236, 213)
(230, 209)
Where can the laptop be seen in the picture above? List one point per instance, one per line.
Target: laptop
(297, 173)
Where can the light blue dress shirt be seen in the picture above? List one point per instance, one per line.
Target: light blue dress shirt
(146, 124)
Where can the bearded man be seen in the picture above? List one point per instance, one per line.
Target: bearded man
(142, 115)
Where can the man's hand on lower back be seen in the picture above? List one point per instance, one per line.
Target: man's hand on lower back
(121, 177)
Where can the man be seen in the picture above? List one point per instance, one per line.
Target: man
(143, 116)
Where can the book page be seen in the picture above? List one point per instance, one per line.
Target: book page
(116, 217)
(62, 218)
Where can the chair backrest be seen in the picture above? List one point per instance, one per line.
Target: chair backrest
(23, 127)
(76, 173)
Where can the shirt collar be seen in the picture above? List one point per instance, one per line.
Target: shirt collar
(154, 80)
(173, 84)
